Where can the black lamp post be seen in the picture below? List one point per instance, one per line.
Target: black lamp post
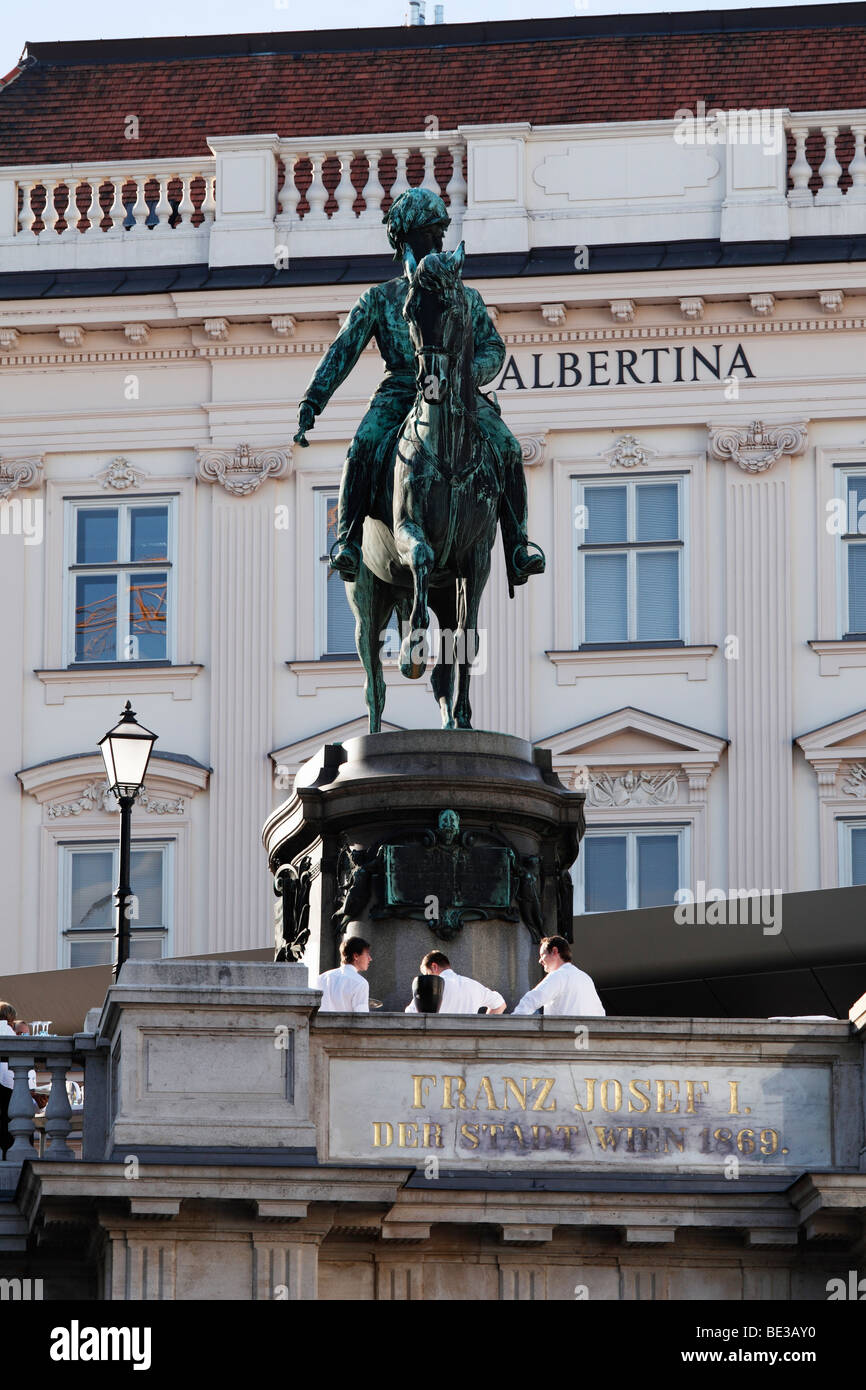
(126, 753)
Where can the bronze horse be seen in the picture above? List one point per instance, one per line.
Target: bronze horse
(427, 542)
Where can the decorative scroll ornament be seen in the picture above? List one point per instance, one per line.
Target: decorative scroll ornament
(628, 452)
(855, 781)
(120, 474)
(22, 472)
(97, 796)
(242, 470)
(533, 447)
(756, 447)
(633, 788)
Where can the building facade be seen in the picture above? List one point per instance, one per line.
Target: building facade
(666, 216)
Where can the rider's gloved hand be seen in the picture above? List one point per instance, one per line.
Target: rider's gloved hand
(306, 421)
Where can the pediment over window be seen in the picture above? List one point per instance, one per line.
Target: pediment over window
(633, 758)
(75, 786)
(837, 752)
(292, 756)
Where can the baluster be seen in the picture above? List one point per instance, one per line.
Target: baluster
(163, 207)
(857, 168)
(374, 192)
(117, 212)
(290, 194)
(830, 170)
(93, 212)
(70, 212)
(457, 184)
(430, 149)
(345, 190)
(58, 1112)
(317, 193)
(801, 170)
(140, 209)
(26, 217)
(401, 183)
(208, 207)
(21, 1125)
(186, 206)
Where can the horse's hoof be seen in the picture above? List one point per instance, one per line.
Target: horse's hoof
(413, 658)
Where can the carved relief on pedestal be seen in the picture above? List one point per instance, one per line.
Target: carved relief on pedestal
(242, 470)
(756, 447)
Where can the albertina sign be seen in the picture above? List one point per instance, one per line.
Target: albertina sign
(647, 366)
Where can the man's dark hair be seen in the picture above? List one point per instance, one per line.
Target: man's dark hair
(353, 946)
(548, 944)
(435, 958)
(8, 1012)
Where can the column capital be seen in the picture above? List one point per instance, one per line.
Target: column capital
(756, 447)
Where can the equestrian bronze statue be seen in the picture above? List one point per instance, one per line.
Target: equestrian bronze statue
(433, 467)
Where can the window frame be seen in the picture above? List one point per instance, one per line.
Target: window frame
(68, 934)
(320, 496)
(844, 826)
(844, 542)
(583, 483)
(632, 829)
(72, 568)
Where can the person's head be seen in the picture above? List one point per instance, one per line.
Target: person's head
(417, 219)
(449, 825)
(553, 951)
(356, 951)
(8, 1012)
(434, 963)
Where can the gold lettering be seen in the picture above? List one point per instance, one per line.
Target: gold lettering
(457, 1086)
(590, 1095)
(690, 1095)
(735, 1099)
(403, 1139)
(636, 1094)
(420, 1091)
(381, 1127)
(605, 1096)
(536, 1135)
(671, 1137)
(567, 1131)
(665, 1091)
(470, 1134)
(486, 1090)
(493, 1130)
(512, 1086)
(519, 1133)
(546, 1083)
(607, 1138)
(434, 1142)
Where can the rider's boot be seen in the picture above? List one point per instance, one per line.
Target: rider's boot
(520, 562)
(345, 554)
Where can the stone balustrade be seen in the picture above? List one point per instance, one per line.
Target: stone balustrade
(510, 187)
(46, 1133)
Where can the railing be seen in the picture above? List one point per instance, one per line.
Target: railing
(45, 1134)
(354, 179)
(78, 200)
(826, 160)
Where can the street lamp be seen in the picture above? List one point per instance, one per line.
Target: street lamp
(126, 753)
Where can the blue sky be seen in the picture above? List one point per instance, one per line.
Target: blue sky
(106, 19)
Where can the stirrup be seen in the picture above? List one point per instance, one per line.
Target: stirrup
(344, 564)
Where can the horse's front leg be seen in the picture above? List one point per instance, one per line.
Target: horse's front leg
(371, 604)
(417, 555)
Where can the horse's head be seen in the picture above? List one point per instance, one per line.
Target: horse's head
(436, 309)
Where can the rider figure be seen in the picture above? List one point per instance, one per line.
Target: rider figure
(418, 220)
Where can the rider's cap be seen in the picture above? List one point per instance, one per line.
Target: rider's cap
(416, 208)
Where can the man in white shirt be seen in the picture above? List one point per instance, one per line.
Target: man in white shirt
(9, 1027)
(566, 991)
(460, 994)
(343, 989)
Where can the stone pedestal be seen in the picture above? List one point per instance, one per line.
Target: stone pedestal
(365, 839)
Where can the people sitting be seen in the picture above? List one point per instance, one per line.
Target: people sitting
(461, 995)
(566, 991)
(343, 989)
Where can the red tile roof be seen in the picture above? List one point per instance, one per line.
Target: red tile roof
(70, 102)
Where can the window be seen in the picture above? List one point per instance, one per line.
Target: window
(852, 853)
(852, 554)
(88, 880)
(630, 562)
(619, 869)
(120, 597)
